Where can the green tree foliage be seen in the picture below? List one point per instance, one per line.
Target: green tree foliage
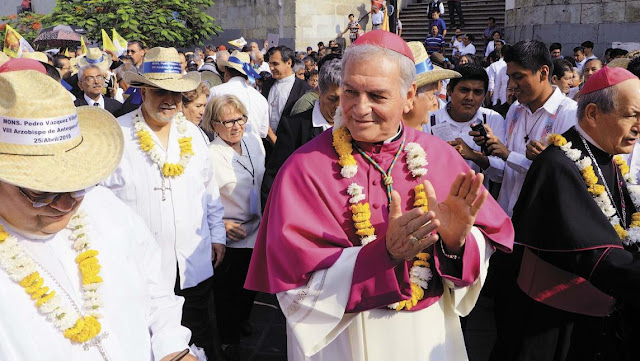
(178, 23)
(26, 23)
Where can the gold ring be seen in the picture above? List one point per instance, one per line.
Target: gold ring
(413, 238)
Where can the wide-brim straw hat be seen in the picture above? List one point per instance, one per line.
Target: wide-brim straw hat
(426, 72)
(3, 58)
(36, 55)
(161, 69)
(49, 145)
(210, 78)
(236, 60)
(95, 56)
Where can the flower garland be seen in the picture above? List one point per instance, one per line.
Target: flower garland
(148, 146)
(22, 269)
(598, 191)
(416, 159)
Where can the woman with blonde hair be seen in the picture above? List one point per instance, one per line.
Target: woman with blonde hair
(238, 157)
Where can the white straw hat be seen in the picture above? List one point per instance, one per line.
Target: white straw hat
(95, 56)
(426, 72)
(161, 69)
(47, 144)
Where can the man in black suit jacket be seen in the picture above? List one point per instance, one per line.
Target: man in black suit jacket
(283, 85)
(91, 81)
(294, 131)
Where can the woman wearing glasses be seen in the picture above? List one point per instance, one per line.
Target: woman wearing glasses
(238, 158)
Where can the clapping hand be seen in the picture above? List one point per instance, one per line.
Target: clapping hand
(410, 233)
(457, 213)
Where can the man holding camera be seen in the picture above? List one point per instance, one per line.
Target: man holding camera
(454, 122)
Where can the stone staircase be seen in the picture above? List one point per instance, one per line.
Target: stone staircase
(415, 25)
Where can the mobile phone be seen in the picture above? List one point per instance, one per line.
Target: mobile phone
(479, 127)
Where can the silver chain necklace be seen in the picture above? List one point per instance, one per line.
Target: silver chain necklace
(622, 216)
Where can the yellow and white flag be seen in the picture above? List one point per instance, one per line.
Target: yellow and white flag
(107, 44)
(119, 42)
(238, 43)
(83, 45)
(15, 44)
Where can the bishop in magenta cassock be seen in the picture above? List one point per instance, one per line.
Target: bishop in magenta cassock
(360, 269)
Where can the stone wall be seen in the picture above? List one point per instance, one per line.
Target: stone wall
(299, 23)
(571, 22)
(323, 20)
(254, 19)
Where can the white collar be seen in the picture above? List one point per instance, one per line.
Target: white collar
(552, 104)
(289, 79)
(394, 136)
(317, 119)
(447, 118)
(588, 138)
(91, 102)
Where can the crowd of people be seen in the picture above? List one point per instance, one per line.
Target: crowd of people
(368, 187)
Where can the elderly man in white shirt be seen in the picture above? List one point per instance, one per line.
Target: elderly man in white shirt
(238, 72)
(541, 110)
(89, 265)
(166, 176)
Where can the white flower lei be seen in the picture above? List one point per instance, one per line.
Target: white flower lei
(154, 154)
(416, 159)
(19, 264)
(602, 200)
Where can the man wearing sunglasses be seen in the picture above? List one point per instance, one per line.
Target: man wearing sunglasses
(166, 177)
(79, 271)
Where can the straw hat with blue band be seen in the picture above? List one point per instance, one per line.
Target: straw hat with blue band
(241, 62)
(161, 69)
(426, 72)
(49, 145)
(95, 56)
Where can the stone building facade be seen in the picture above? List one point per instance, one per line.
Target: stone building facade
(571, 22)
(298, 23)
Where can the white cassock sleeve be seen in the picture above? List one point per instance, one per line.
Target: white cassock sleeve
(315, 311)
(165, 311)
(463, 299)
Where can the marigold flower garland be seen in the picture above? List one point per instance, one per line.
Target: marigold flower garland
(598, 191)
(22, 269)
(420, 274)
(148, 146)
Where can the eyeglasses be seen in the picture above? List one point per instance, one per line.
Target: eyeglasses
(229, 123)
(42, 199)
(94, 79)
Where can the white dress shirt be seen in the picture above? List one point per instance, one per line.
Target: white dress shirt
(190, 219)
(469, 49)
(461, 130)
(92, 102)
(239, 178)
(278, 96)
(498, 81)
(256, 104)
(317, 119)
(557, 115)
(140, 313)
(264, 67)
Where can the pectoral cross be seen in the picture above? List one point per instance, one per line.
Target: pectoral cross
(96, 342)
(163, 188)
(526, 139)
